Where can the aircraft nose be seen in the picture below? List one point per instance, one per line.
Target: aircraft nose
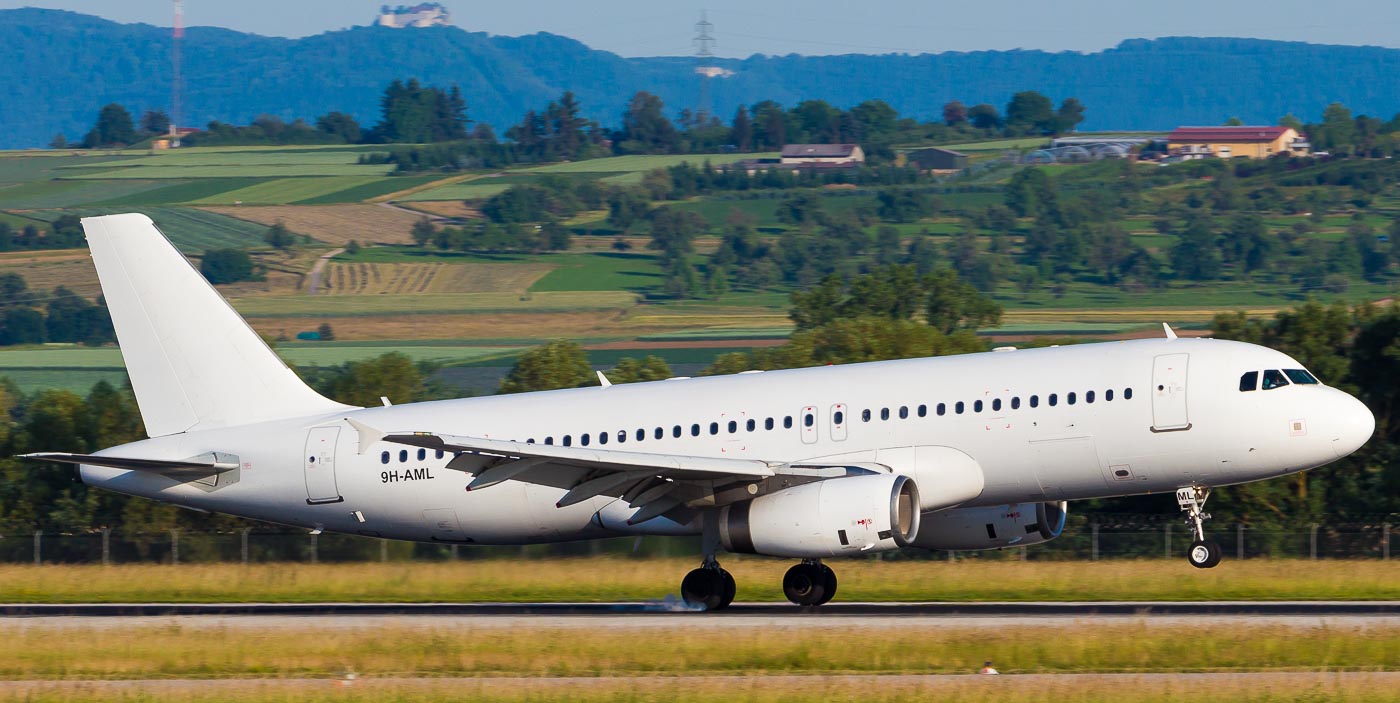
(1355, 425)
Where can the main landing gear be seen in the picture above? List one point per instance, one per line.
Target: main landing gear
(1204, 554)
(708, 587)
(809, 583)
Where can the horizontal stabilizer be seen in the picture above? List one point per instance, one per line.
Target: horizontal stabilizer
(212, 463)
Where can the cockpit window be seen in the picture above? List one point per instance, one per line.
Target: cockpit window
(1249, 381)
(1300, 377)
(1274, 379)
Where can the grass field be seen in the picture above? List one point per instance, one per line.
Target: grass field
(104, 360)
(365, 305)
(759, 579)
(1281, 687)
(332, 224)
(193, 231)
(416, 278)
(248, 171)
(137, 651)
(600, 272)
(287, 190)
(471, 190)
(78, 381)
(629, 164)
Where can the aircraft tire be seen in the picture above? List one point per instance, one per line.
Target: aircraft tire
(1204, 555)
(829, 587)
(703, 589)
(730, 589)
(805, 584)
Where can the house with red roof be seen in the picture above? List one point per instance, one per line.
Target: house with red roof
(1237, 141)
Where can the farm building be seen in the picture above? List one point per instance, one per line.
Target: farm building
(802, 154)
(1235, 142)
(937, 160)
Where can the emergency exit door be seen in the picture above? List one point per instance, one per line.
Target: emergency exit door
(1169, 393)
(320, 465)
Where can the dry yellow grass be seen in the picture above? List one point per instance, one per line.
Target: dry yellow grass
(443, 208)
(45, 270)
(1293, 687)
(333, 224)
(199, 649)
(399, 279)
(759, 579)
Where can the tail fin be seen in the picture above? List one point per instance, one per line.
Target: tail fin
(194, 363)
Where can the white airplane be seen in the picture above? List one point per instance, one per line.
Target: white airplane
(979, 451)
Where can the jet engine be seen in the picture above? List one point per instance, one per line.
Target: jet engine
(1013, 525)
(835, 516)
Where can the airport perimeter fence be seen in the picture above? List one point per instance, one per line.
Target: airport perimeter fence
(1087, 542)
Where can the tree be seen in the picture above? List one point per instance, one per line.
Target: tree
(423, 231)
(741, 133)
(155, 123)
(279, 237)
(984, 116)
(770, 126)
(645, 127)
(1030, 111)
(59, 141)
(414, 113)
(1068, 117)
(630, 370)
(325, 332)
(954, 114)
(340, 126)
(114, 128)
(393, 375)
(559, 364)
(226, 266)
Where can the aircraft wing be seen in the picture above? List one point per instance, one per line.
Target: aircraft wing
(653, 483)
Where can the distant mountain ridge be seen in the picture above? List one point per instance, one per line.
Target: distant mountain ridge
(62, 66)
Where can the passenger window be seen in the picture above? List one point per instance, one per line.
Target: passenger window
(865, 415)
(676, 431)
(1054, 400)
(530, 440)
(751, 425)
(942, 409)
(958, 408)
(583, 439)
(904, 412)
(549, 441)
(977, 407)
(1301, 377)
(1035, 401)
(641, 434)
(733, 427)
(1273, 379)
(403, 455)
(714, 428)
(438, 454)
(1070, 398)
(568, 440)
(839, 418)
(923, 411)
(884, 413)
(602, 438)
(1127, 394)
(768, 424)
(384, 458)
(1249, 381)
(787, 422)
(621, 436)
(1016, 402)
(1108, 395)
(695, 430)
(422, 454)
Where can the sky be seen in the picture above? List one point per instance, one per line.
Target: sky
(746, 27)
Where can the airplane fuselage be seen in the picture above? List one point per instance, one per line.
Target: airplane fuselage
(1065, 423)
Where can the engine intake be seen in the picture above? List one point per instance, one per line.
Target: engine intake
(1018, 524)
(848, 515)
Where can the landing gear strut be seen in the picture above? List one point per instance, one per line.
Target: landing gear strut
(1204, 554)
(709, 587)
(809, 583)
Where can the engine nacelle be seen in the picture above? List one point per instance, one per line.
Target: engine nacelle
(847, 515)
(1017, 525)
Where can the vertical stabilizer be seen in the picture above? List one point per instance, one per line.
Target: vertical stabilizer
(194, 363)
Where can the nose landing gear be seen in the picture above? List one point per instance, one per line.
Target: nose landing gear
(1203, 554)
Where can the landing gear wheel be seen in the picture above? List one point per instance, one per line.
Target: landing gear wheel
(704, 588)
(829, 585)
(806, 584)
(1204, 555)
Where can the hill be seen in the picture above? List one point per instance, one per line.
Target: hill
(74, 63)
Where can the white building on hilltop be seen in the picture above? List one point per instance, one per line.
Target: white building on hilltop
(428, 14)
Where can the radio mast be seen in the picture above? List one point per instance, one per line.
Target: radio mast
(179, 35)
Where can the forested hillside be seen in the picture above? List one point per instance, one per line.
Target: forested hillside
(65, 65)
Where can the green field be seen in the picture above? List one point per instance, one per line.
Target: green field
(39, 195)
(287, 190)
(193, 231)
(600, 272)
(448, 303)
(235, 171)
(470, 190)
(641, 164)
